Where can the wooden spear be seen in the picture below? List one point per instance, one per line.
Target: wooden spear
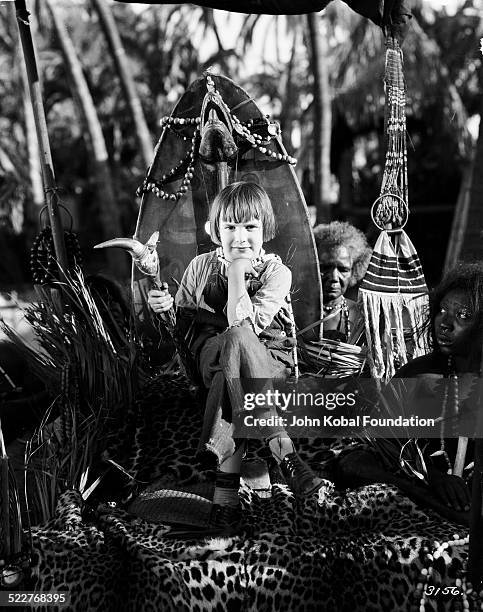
(48, 176)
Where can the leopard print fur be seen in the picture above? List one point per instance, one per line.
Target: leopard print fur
(365, 549)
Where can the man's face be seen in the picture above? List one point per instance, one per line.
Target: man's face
(454, 324)
(336, 271)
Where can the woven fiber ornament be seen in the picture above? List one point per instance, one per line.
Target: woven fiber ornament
(394, 298)
(393, 292)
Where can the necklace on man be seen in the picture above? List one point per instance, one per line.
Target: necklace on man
(337, 303)
(340, 304)
(453, 376)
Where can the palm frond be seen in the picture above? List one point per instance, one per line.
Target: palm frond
(93, 373)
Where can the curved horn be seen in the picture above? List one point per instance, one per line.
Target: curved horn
(134, 247)
(153, 241)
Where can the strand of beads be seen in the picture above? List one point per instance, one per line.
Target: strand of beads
(157, 186)
(340, 304)
(442, 442)
(43, 263)
(337, 303)
(258, 142)
(453, 378)
(345, 310)
(182, 122)
(461, 585)
(425, 575)
(465, 591)
(254, 139)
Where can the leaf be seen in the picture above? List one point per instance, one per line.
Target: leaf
(102, 383)
(93, 486)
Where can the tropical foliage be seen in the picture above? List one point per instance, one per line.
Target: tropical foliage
(91, 364)
(320, 77)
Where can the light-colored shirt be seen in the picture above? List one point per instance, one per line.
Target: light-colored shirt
(261, 308)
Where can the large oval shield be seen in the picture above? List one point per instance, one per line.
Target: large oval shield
(181, 220)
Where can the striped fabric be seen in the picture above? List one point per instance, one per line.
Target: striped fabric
(394, 271)
(394, 299)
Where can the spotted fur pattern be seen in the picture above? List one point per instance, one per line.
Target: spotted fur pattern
(338, 551)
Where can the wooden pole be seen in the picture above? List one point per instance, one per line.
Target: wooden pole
(48, 175)
(475, 558)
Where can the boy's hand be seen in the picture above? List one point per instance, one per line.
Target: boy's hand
(241, 268)
(160, 300)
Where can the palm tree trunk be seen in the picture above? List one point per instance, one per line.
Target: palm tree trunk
(322, 118)
(108, 211)
(32, 145)
(47, 167)
(32, 205)
(287, 112)
(111, 32)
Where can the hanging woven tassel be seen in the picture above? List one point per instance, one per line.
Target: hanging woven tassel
(393, 294)
(393, 291)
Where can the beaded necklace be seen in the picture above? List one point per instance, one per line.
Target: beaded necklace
(461, 587)
(341, 304)
(335, 304)
(452, 375)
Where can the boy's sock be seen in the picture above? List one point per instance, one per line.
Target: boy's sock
(281, 446)
(226, 489)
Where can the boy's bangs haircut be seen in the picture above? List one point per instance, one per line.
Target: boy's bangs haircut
(240, 202)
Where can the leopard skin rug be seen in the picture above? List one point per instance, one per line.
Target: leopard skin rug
(368, 549)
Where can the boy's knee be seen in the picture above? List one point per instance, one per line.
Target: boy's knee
(243, 335)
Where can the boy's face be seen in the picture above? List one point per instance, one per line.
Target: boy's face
(336, 271)
(241, 240)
